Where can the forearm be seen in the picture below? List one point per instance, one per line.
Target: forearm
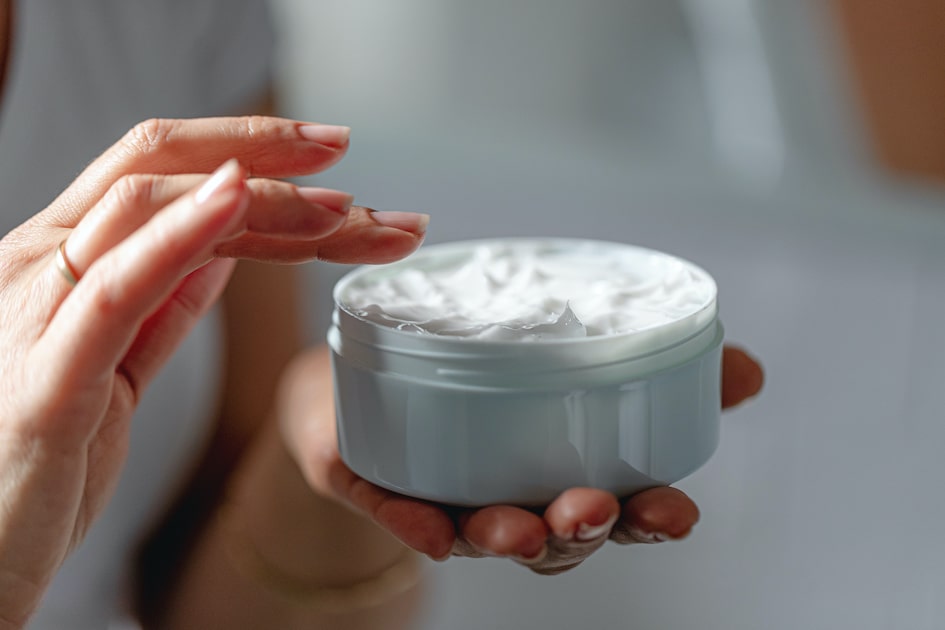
(271, 512)
(253, 362)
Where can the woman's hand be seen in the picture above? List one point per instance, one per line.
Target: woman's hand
(146, 239)
(569, 530)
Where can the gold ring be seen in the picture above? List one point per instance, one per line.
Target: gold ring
(64, 266)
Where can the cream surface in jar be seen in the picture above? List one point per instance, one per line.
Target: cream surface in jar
(536, 290)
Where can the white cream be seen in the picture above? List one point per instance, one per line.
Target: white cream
(532, 290)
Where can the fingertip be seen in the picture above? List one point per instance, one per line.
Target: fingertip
(225, 193)
(506, 531)
(423, 527)
(412, 222)
(371, 237)
(742, 376)
(661, 513)
(331, 136)
(582, 513)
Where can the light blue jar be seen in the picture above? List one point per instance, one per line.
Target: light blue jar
(476, 422)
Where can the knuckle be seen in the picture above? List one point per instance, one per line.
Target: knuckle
(268, 188)
(101, 298)
(254, 126)
(188, 305)
(149, 135)
(130, 190)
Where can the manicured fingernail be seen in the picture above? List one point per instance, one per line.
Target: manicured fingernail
(333, 136)
(217, 181)
(648, 537)
(587, 532)
(535, 557)
(334, 200)
(413, 222)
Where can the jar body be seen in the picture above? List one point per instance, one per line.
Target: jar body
(480, 445)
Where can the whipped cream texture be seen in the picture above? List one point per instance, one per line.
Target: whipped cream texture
(531, 290)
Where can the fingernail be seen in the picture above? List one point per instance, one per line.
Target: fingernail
(441, 559)
(334, 200)
(648, 537)
(587, 532)
(217, 181)
(334, 136)
(534, 558)
(413, 222)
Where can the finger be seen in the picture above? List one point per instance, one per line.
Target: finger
(265, 146)
(277, 209)
(582, 514)
(504, 531)
(580, 521)
(163, 332)
(655, 515)
(742, 376)
(97, 322)
(421, 526)
(367, 236)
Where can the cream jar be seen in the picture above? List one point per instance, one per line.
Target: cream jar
(508, 370)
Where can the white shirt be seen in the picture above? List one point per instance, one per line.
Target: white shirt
(81, 74)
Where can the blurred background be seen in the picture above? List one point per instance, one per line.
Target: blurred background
(794, 149)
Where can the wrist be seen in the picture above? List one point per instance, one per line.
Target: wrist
(316, 593)
(300, 532)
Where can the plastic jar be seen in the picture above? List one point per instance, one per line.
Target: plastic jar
(473, 421)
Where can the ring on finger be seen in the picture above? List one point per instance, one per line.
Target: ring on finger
(64, 266)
